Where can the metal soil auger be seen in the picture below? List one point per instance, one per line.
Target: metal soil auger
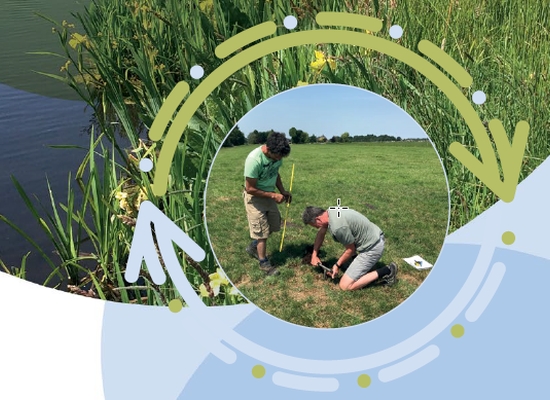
(326, 270)
(287, 206)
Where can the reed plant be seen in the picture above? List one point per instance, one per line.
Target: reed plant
(92, 240)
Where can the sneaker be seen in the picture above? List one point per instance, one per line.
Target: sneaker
(268, 268)
(252, 249)
(391, 278)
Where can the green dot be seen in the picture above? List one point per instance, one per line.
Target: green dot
(258, 371)
(508, 237)
(175, 305)
(364, 380)
(457, 330)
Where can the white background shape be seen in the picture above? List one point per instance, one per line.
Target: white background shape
(50, 343)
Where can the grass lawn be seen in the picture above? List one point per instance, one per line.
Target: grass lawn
(400, 186)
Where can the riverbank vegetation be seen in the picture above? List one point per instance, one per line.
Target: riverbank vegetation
(123, 58)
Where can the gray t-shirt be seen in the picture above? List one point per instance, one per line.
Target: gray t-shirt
(353, 227)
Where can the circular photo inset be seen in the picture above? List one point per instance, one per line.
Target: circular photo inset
(327, 206)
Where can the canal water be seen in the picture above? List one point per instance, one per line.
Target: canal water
(36, 112)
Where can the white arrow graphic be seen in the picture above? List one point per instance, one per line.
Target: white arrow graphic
(143, 246)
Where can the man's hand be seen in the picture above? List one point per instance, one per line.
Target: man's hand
(287, 195)
(315, 261)
(335, 270)
(279, 198)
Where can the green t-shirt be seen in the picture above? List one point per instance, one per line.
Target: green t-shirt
(353, 227)
(262, 168)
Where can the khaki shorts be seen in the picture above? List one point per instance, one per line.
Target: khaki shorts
(263, 216)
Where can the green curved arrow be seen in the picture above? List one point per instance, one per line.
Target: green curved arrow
(511, 157)
(487, 171)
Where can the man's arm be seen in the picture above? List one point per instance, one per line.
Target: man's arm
(281, 188)
(250, 187)
(348, 253)
(317, 245)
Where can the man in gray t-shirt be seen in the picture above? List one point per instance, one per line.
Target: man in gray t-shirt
(360, 237)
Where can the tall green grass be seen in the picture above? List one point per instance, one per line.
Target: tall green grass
(124, 58)
(135, 52)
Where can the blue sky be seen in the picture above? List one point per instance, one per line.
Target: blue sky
(329, 109)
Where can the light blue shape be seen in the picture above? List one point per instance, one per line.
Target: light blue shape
(479, 97)
(488, 290)
(290, 22)
(481, 364)
(528, 217)
(197, 72)
(409, 365)
(396, 32)
(143, 248)
(308, 383)
(146, 165)
(151, 353)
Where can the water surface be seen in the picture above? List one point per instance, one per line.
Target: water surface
(35, 112)
(29, 124)
(22, 32)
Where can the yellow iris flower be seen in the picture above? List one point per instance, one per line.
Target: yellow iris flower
(321, 59)
(121, 195)
(203, 291)
(122, 200)
(140, 198)
(217, 280)
(77, 39)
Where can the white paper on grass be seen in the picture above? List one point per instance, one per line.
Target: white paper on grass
(418, 262)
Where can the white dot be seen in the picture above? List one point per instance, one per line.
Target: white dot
(479, 97)
(290, 22)
(146, 165)
(197, 72)
(396, 31)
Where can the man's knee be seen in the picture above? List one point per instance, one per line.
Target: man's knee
(346, 283)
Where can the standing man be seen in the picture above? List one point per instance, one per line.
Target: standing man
(360, 236)
(261, 172)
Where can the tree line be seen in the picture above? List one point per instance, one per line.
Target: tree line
(298, 136)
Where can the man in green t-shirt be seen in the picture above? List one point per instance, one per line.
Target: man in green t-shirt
(360, 236)
(261, 172)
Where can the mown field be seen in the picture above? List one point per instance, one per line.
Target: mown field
(399, 186)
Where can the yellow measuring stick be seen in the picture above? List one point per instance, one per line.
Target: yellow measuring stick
(287, 205)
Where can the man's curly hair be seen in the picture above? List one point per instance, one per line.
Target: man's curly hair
(277, 143)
